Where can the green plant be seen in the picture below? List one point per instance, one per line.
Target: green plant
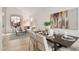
(47, 23)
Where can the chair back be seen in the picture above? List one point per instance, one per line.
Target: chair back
(41, 42)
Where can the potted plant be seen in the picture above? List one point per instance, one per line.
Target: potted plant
(48, 23)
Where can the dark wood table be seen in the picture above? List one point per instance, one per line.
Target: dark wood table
(56, 39)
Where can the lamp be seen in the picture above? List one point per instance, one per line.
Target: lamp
(33, 24)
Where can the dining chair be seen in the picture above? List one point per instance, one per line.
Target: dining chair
(41, 42)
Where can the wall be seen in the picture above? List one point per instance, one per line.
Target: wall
(58, 9)
(45, 15)
(9, 12)
(1, 27)
(78, 19)
(72, 16)
(73, 19)
(40, 14)
(4, 19)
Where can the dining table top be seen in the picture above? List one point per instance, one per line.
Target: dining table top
(57, 39)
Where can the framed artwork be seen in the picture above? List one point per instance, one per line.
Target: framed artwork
(60, 19)
(15, 20)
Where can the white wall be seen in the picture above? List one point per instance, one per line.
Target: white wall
(73, 19)
(58, 9)
(78, 19)
(1, 27)
(9, 12)
(41, 14)
(44, 15)
(72, 16)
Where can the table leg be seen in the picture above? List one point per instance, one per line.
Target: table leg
(55, 47)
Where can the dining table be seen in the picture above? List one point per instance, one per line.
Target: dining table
(59, 42)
